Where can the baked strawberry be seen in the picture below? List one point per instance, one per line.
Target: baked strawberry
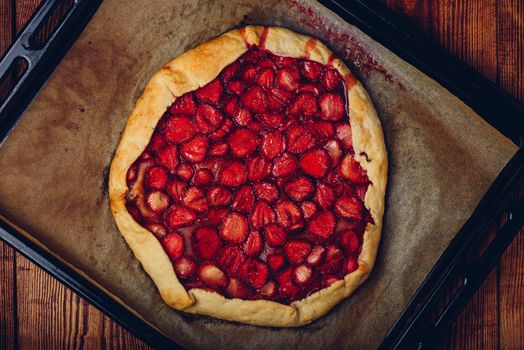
(249, 73)
(284, 165)
(215, 216)
(344, 135)
(255, 272)
(211, 92)
(272, 144)
(173, 245)
(329, 280)
(299, 139)
(324, 195)
(277, 98)
(212, 275)
(322, 130)
(156, 178)
(322, 224)
(284, 61)
(302, 274)
(236, 87)
(308, 209)
(195, 150)
(266, 78)
(242, 142)
(207, 118)
(159, 230)
(179, 129)
(268, 290)
(158, 201)
(231, 106)
(299, 189)
(206, 243)
(184, 172)
(253, 244)
(258, 169)
(243, 200)
(178, 216)
(266, 191)
(297, 251)
(222, 131)
(157, 143)
(233, 174)
(330, 79)
(289, 215)
(315, 163)
(310, 88)
(349, 208)
(350, 265)
(243, 117)
(275, 235)
(304, 105)
(185, 266)
(334, 150)
(276, 262)
(176, 189)
(288, 78)
(286, 284)
(231, 259)
(331, 107)
(316, 256)
(203, 177)
(255, 126)
(333, 261)
(271, 119)
(255, 100)
(219, 149)
(230, 71)
(311, 70)
(237, 289)
(234, 228)
(350, 169)
(218, 196)
(348, 241)
(183, 105)
(168, 157)
(262, 215)
(195, 199)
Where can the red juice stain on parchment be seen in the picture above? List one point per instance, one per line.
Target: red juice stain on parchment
(361, 58)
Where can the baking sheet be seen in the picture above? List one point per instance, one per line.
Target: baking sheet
(54, 165)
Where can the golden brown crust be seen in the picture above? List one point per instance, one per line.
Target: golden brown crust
(194, 69)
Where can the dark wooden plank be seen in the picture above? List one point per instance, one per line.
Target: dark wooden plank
(7, 298)
(24, 10)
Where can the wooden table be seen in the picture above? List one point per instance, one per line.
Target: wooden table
(37, 311)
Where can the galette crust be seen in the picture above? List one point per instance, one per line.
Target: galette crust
(196, 68)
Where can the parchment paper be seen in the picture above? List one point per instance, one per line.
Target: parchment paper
(54, 165)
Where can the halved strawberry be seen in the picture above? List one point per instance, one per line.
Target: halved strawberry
(266, 191)
(348, 240)
(210, 92)
(330, 78)
(324, 195)
(329, 280)
(297, 251)
(334, 150)
(284, 61)
(278, 98)
(272, 144)
(331, 107)
(237, 289)
(168, 157)
(276, 262)
(322, 224)
(185, 266)
(265, 78)
(316, 255)
(311, 88)
(254, 272)
(156, 178)
(333, 261)
(159, 230)
(253, 56)
(344, 135)
(195, 199)
(258, 169)
(350, 169)
(231, 106)
(315, 163)
(304, 105)
(158, 201)
(219, 149)
(233, 174)
(286, 284)
(271, 119)
(310, 70)
(173, 244)
(302, 274)
(179, 129)
(360, 192)
(268, 290)
(231, 258)
(236, 87)
(243, 200)
(262, 215)
(242, 142)
(207, 118)
(267, 63)
(253, 244)
(255, 100)
(222, 131)
(176, 189)
(255, 126)
(243, 117)
(299, 139)
(179, 216)
(234, 228)
(203, 177)
(299, 189)
(212, 275)
(288, 78)
(285, 165)
(196, 149)
(131, 175)
(146, 155)
(215, 216)
(206, 243)
(230, 71)
(289, 215)
(275, 235)
(309, 209)
(350, 265)
(218, 196)
(184, 171)
(349, 208)
(183, 105)
(249, 73)
(157, 143)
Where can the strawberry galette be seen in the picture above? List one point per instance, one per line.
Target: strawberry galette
(242, 186)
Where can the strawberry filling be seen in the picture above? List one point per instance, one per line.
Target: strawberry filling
(250, 183)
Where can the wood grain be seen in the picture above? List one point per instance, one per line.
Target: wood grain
(7, 298)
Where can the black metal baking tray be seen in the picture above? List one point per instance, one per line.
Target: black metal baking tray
(460, 270)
